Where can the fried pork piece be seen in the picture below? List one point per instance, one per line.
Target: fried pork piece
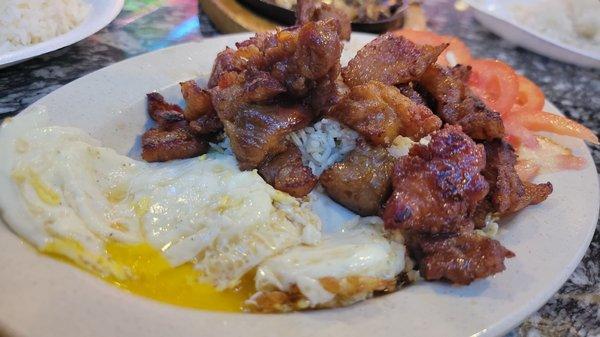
(327, 92)
(162, 112)
(508, 194)
(456, 105)
(391, 60)
(314, 10)
(437, 187)
(289, 61)
(256, 132)
(169, 143)
(206, 125)
(362, 181)
(285, 172)
(462, 258)
(198, 101)
(380, 113)
(408, 91)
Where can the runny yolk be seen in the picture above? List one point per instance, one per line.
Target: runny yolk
(150, 275)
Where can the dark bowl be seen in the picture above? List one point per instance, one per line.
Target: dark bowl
(288, 17)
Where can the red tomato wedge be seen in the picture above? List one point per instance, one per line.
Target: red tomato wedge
(496, 83)
(545, 121)
(456, 53)
(530, 97)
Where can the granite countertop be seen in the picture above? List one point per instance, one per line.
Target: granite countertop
(146, 25)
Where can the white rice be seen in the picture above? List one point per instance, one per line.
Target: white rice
(574, 22)
(27, 22)
(323, 144)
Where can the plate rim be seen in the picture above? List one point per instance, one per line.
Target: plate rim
(71, 37)
(495, 329)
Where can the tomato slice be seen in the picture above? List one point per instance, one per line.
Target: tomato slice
(530, 96)
(496, 83)
(456, 53)
(545, 121)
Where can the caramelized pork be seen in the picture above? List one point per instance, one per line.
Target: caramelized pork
(197, 101)
(314, 10)
(438, 186)
(380, 113)
(285, 172)
(162, 112)
(256, 132)
(362, 181)
(508, 194)
(456, 105)
(460, 259)
(390, 59)
(174, 142)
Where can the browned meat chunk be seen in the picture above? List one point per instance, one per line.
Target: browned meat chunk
(508, 193)
(209, 124)
(380, 113)
(456, 105)
(260, 86)
(160, 144)
(318, 51)
(438, 186)
(161, 111)
(226, 61)
(285, 172)
(408, 91)
(461, 259)
(328, 92)
(198, 101)
(362, 181)
(256, 132)
(315, 10)
(390, 59)
(272, 63)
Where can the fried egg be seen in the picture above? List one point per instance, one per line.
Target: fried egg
(345, 267)
(197, 232)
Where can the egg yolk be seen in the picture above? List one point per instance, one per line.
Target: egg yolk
(149, 274)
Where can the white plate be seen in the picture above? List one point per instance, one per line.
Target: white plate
(43, 296)
(102, 12)
(496, 16)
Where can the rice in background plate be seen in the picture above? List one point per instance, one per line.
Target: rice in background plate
(575, 22)
(27, 22)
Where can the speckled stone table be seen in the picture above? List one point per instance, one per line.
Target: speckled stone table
(147, 25)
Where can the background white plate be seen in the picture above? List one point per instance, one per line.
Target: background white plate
(102, 12)
(496, 16)
(45, 297)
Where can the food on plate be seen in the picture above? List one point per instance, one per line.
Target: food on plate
(380, 113)
(437, 186)
(390, 59)
(27, 22)
(69, 196)
(574, 22)
(517, 100)
(232, 207)
(317, 10)
(362, 181)
(301, 278)
(456, 104)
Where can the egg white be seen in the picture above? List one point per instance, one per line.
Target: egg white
(66, 194)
